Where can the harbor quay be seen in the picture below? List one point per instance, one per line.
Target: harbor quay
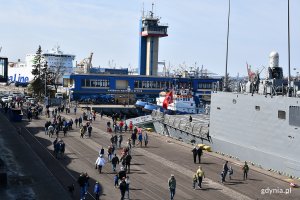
(40, 175)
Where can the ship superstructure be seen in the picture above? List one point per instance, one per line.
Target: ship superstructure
(56, 60)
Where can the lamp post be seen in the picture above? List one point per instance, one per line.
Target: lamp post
(128, 91)
(46, 98)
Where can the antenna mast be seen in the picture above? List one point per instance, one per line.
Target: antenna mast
(143, 10)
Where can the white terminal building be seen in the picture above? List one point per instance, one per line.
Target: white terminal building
(56, 60)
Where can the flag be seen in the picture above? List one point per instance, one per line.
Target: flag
(168, 100)
(251, 74)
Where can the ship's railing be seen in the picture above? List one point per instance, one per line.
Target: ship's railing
(156, 114)
(198, 127)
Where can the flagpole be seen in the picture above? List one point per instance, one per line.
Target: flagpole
(226, 77)
(289, 49)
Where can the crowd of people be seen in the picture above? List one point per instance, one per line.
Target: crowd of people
(117, 154)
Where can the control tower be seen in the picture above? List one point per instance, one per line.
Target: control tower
(150, 32)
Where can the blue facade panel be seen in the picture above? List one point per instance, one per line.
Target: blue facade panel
(142, 52)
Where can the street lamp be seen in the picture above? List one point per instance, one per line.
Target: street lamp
(46, 74)
(128, 91)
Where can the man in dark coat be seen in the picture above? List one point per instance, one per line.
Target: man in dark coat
(81, 182)
(199, 153)
(123, 187)
(194, 153)
(127, 162)
(114, 161)
(225, 170)
(122, 174)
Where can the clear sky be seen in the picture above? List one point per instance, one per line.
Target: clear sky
(197, 31)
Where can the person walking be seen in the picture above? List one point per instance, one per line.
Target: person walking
(200, 175)
(90, 128)
(115, 141)
(87, 183)
(101, 152)
(116, 180)
(97, 190)
(114, 161)
(109, 152)
(81, 132)
(133, 136)
(146, 139)
(195, 180)
(172, 186)
(127, 162)
(230, 172)
(140, 138)
(122, 187)
(122, 173)
(76, 121)
(79, 121)
(225, 171)
(127, 186)
(125, 127)
(199, 154)
(130, 126)
(120, 139)
(94, 116)
(100, 162)
(245, 170)
(194, 150)
(81, 182)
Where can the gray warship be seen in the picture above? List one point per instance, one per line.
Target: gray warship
(259, 122)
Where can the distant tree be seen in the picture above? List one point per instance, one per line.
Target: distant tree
(39, 71)
(37, 61)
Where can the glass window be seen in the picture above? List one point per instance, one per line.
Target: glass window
(136, 84)
(87, 83)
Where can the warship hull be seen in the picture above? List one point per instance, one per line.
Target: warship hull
(264, 130)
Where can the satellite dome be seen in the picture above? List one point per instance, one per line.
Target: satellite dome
(274, 54)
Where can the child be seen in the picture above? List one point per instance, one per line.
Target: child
(230, 172)
(195, 179)
(116, 179)
(222, 175)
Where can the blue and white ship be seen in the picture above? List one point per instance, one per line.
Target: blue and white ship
(183, 102)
